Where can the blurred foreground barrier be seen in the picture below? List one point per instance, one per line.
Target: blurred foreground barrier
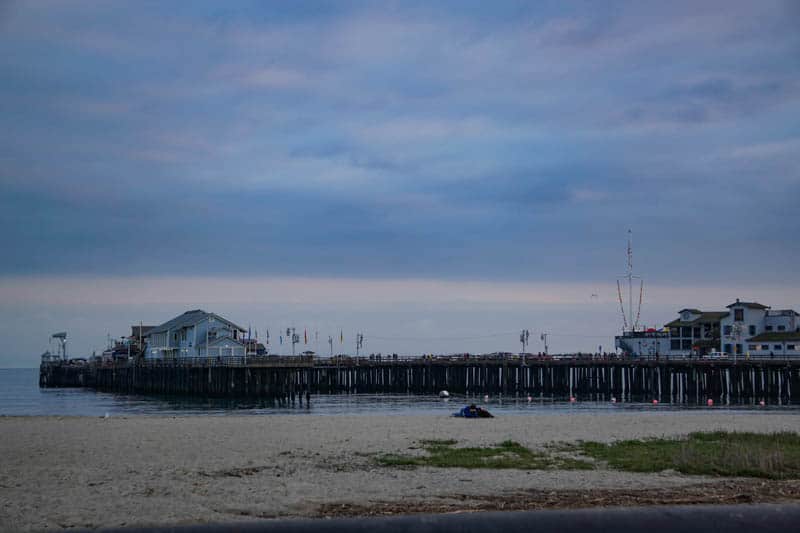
(761, 518)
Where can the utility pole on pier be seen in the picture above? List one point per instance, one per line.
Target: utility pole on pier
(359, 342)
(523, 338)
(543, 337)
(295, 339)
(330, 343)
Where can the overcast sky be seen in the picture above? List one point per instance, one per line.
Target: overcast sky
(223, 152)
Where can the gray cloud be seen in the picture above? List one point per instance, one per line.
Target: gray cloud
(401, 141)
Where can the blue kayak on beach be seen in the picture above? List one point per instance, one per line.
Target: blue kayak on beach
(471, 411)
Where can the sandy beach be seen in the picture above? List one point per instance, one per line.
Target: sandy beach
(60, 472)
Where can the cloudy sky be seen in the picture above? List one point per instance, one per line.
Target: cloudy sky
(438, 175)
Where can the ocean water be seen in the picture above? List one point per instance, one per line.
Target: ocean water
(20, 395)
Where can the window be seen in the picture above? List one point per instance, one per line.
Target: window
(686, 344)
(790, 346)
(768, 328)
(728, 348)
(674, 332)
(765, 347)
(727, 330)
(738, 315)
(778, 347)
(675, 344)
(696, 332)
(781, 328)
(751, 347)
(752, 330)
(686, 332)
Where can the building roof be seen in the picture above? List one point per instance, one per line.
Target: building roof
(693, 311)
(783, 312)
(750, 305)
(705, 316)
(190, 318)
(776, 336)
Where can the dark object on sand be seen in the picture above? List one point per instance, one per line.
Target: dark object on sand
(472, 411)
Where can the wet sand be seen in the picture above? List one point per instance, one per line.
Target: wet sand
(59, 472)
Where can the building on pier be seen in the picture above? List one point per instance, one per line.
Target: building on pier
(756, 329)
(745, 329)
(195, 333)
(694, 332)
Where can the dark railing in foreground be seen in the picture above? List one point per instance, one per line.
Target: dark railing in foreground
(763, 518)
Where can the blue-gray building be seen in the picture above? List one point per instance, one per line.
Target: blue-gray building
(195, 333)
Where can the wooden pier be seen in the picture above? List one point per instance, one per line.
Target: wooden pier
(671, 381)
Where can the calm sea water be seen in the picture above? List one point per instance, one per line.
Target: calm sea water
(20, 395)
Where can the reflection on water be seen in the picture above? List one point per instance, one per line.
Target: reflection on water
(20, 395)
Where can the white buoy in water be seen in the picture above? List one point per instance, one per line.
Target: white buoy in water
(485, 397)
(444, 394)
(613, 400)
(530, 399)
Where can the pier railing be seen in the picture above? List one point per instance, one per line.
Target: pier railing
(300, 361)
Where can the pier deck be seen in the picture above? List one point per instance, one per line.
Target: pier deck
(666, 380)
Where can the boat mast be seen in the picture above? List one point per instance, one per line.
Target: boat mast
(628, 318)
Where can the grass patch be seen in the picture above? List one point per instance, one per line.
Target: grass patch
(507, 454)
(719, 453)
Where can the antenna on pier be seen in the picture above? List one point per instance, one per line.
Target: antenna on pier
(628, 320)
(62, 343)
(359, 342)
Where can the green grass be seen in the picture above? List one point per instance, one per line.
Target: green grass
(720, 453)
(507, 454)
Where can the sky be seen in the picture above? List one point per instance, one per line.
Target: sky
(438, 175)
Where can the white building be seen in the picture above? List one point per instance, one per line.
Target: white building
(751, 328)
(195, 333)
(745, 329)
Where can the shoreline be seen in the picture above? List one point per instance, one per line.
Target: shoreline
(64, 471)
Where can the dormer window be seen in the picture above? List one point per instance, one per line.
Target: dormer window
(738, 315)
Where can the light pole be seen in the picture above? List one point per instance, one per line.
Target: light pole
(295, 339)
(543, 337)
(359, 342)
(737, 334)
